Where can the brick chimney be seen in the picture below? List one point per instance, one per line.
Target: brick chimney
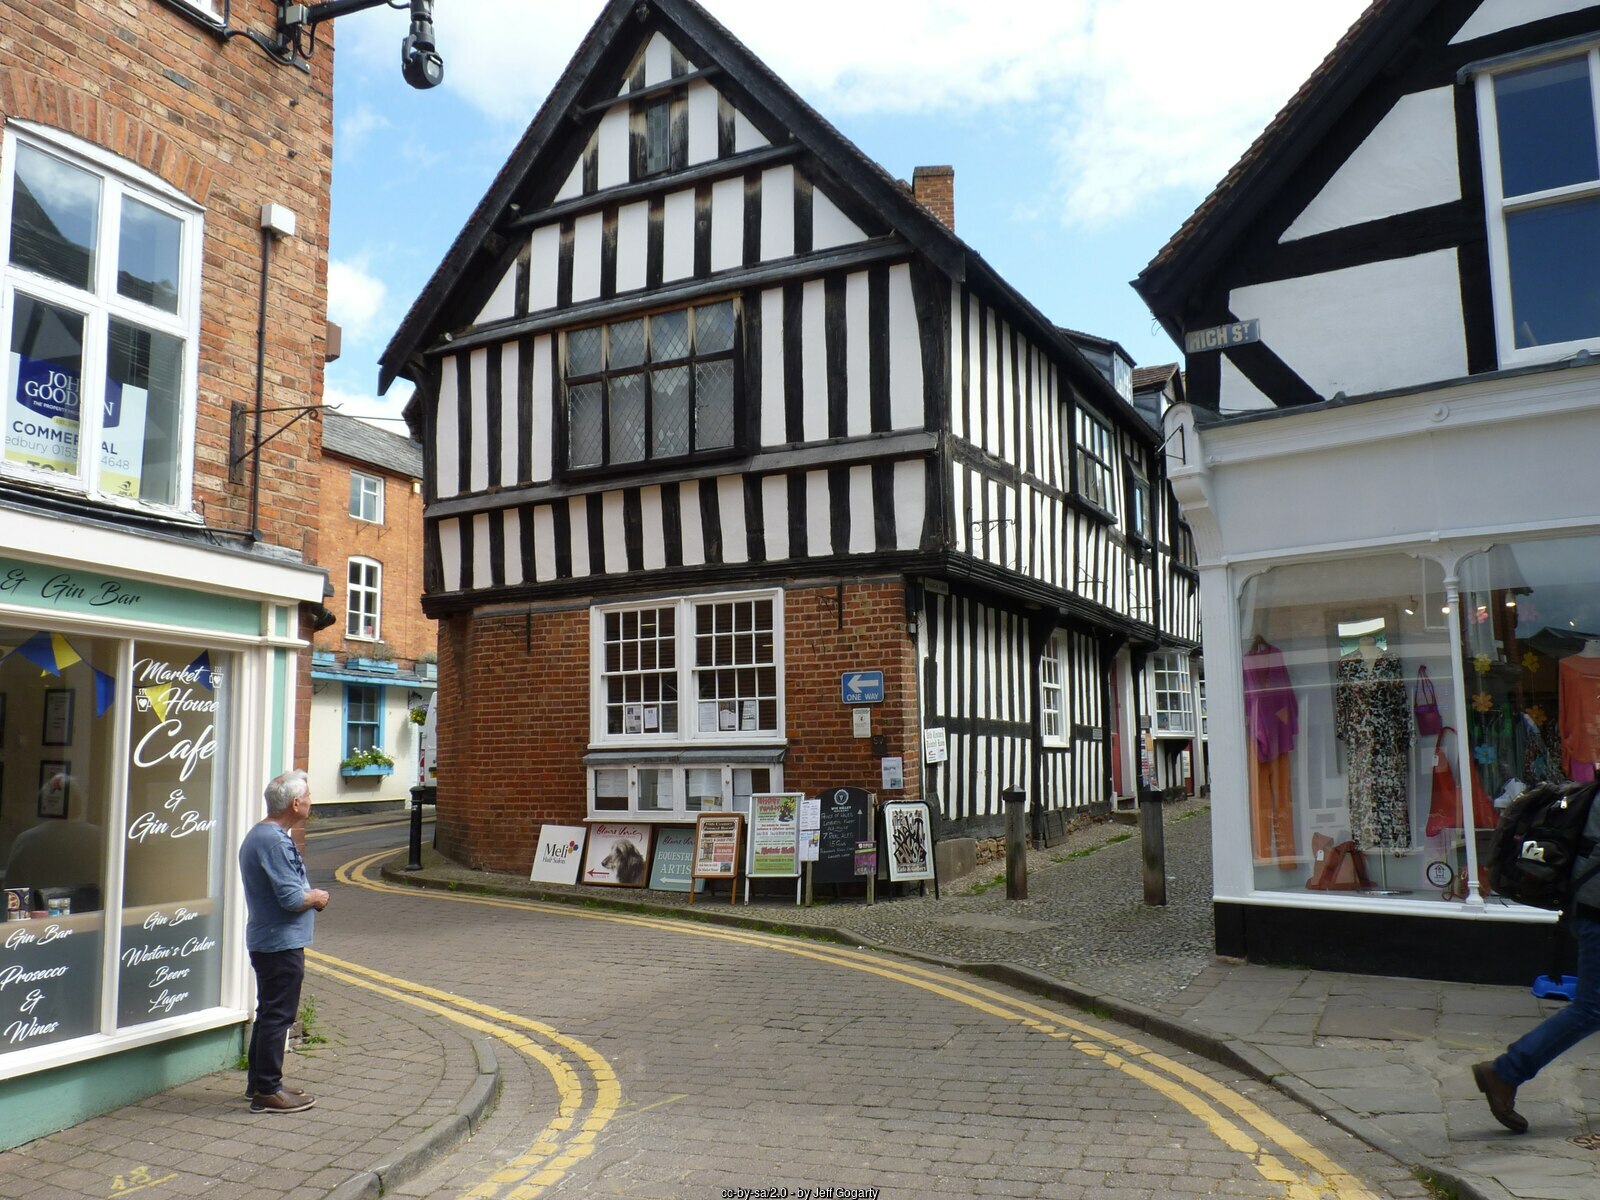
(935, 189)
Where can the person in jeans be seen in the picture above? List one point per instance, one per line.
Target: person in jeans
(1564, 1029)
(283, 907)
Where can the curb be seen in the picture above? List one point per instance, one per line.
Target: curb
(1228, 1052)
(413, 1156)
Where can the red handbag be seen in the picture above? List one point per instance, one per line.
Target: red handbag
(1444, 812)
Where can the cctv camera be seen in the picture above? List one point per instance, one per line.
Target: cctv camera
(419, 61)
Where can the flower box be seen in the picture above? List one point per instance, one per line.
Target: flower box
(350, 772)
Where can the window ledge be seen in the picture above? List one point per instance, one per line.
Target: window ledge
(1090, 509)
(648, 756)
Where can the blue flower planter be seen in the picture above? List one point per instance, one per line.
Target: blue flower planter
(352, 772)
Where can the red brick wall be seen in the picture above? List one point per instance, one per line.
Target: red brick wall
(514, 720)
(231, 130)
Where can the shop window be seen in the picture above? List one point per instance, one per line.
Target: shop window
(1053, 716)
(725, 684)
(363, 718)
(99, 302)
(366, 497)
(363, 599)
(1174, 694)
(1096, 482)
(1542, 189)
(678, 792)
(1345, 791)
(655, 388)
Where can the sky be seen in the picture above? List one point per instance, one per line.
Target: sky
(1082, 132)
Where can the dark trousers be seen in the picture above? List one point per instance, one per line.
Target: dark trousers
(1567, 1026)
(279, 974)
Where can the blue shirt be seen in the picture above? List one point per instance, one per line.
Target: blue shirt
(275, 887)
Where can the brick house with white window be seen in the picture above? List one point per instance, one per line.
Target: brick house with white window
(1392, 323)
(374, 665)
(163, 191)
(719, 417)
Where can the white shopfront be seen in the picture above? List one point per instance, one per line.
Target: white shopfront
(1359, 562)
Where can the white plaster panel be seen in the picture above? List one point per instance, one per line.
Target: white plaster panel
(447, 436)
(735, 531)
(633, 246)
(1494, 15)
(814, 361)
(543, 417)
(677, 236)
(1238, 393)
(745, 135)
(573, 187)
(727, 224)
(652, 529)
(482, 557)
(910, 503)
(587, 232)
(657, 60)
(777, 213)
(544, 544)
(612, 169)
(693, 529)
(511, 532)
(958, 350)
(614, 525)
(544, 266)
(702, 122)
(478, 398)
(858, 356)
(773, 426)
(863, 522)
(1408, 162)
(509, 441)
(829, 226)
(905, 353)
(775, 516)
(503, 303)
(819, 516)
(1364, 329)
(450, 554)
(578, 522)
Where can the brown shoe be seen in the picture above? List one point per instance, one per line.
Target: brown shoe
(280, 1102)
(1501, 1095)
(250, 1095)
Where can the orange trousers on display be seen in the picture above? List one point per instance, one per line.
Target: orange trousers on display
(1272, 809)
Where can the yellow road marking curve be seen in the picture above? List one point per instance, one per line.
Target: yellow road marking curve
(1177, 1082)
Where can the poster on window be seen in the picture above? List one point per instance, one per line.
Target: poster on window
(122, 438)
(618, 855)
(42, 414)
(775, 835)
(910, 839)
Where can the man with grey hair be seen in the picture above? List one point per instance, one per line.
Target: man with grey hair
(283, 907)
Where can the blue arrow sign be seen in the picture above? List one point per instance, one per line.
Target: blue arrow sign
(861, 687)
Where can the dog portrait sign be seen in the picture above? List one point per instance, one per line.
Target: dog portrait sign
(618, 855)
(559, 854)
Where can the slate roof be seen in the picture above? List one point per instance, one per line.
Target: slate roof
(474, 246)
(353, 439)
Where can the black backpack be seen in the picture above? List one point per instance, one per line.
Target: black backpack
(1539, 838)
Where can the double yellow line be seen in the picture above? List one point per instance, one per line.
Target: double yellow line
(1278, 1154)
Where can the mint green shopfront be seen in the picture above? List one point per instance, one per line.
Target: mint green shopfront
(141, 713)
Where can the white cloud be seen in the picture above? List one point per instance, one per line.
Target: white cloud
(354, 129)
(358, 301)
(1134, 97)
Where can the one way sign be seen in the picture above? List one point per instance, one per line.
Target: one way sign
(861, 687)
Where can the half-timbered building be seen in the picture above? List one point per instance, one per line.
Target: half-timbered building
(1390, 319)
(721, 421)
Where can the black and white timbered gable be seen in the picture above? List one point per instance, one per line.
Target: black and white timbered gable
(1422, 211)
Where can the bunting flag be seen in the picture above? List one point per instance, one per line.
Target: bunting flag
(40, 650)
(105, 691)
(158, 698)
(201, 667)
(65, 654)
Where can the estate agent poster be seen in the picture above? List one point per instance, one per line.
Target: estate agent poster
(557, 858)
(716, 845)
(618, 855)
(775, 835)
(672, 863)
(910, 835)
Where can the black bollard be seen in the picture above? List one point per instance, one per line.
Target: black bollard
(418, 794)
(1016, 801)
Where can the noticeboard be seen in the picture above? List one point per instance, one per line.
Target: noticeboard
(846, 820)
(775, 835)
(717, 845)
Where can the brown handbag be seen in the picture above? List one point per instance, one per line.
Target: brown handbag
(1337, 868)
